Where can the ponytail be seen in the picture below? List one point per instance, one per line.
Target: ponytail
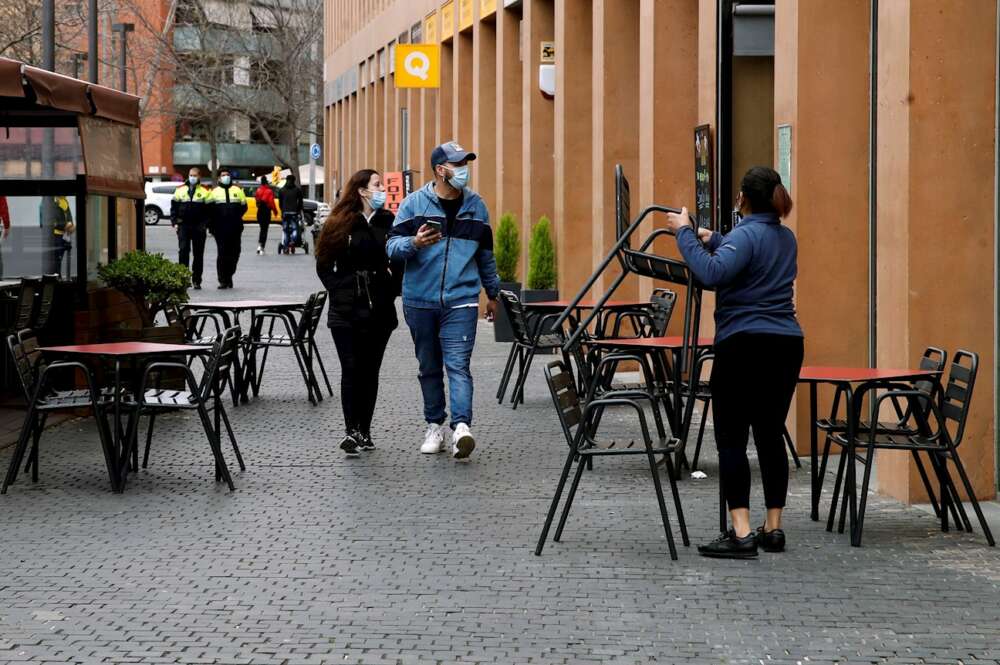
(763, 191)
(781, 200)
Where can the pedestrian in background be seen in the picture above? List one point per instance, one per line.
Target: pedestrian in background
(229, 204)
(758, 351)
(352, 263)
(265, 208)
(189, 219)
(442, 232)
(291, 200)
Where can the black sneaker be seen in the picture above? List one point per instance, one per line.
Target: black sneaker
(364, 441)
(771, 541)
(728, 546)
(350, 446)
(197, 287)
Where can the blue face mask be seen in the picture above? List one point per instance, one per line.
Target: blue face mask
(225, 180)
(378, 200)
(193, 180)
(459, 177)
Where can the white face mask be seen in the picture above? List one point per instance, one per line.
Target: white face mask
(193, 179)
(225, 180)
(459, 177)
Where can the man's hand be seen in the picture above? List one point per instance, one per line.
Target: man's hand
(426, 236)
(677, 221)
(491, 310)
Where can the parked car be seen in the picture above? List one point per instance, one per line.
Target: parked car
(309, 206)
(158, 197)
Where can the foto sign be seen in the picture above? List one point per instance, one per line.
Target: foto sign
(418, 66)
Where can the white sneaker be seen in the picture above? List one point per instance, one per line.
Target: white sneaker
(462, 443)
(433, 439)
(260, 250)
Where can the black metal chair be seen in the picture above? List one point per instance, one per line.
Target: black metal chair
(203, 396)
(583, 448)
(939, 417)
(529, 338)
(45, 302)
(36, 379)
(297, 335)
(321, 298)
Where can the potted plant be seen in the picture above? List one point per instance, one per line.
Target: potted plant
(150, 282)
(507, 250)
(541, 264)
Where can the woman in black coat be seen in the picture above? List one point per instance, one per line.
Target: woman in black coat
(363, 286)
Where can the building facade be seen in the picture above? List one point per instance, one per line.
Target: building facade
(884, 127)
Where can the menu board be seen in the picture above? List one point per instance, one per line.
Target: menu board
(704, 181)
(112, 157)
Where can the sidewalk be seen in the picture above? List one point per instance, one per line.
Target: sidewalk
(397, 557)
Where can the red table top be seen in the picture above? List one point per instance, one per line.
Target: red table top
(126, 349)
(860, 374)
(588, 304)
(668, 342)
(246, 304)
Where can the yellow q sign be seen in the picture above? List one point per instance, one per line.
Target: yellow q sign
(418, 66)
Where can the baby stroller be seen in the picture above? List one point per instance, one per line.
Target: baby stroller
(292, 234)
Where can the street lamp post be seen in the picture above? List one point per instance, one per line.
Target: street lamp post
(77, 57)
(92, 41)
(124, 29)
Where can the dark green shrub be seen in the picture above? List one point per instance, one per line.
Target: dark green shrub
(507, 248)
(541, 257)
(151, 281)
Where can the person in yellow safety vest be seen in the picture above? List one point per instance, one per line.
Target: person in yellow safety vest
(189, 218)
(62, 228)
(228, 203)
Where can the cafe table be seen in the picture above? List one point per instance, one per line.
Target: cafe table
(853, 381)
(119, 352)
(230, 311)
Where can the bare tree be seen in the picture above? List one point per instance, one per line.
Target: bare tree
(21, 31)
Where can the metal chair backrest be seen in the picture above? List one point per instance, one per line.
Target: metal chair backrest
(24, 315)
(48, 296)
(318, 305)
(566, 399)
(623, 202)
(220, 362)
(308, 320)
(958, 391)
(578, 355)
(515, 314)
(663, 302)
(27, 360)
(172, 313)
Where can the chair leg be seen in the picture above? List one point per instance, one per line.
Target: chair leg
(791, 448)
(662, 504)
(322, 367)
(508, 369)
(305, 351)
(569, 499)
(927, 483)
(229, 430)
(519, 388)
(860, 522)
(701, 435)
(305, 374)
(36, 437)
(213, 441)
(555, 503)
(677, 502)
(824, 459)
(972, 496)
(27, 430)
(841, 468)
(149, 439)
(951, 503)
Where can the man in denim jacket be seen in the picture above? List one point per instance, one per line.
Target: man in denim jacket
(442, 232)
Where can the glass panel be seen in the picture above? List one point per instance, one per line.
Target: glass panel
(40, 237)
(24, 153)
(126, 225)
(113, 156)
(97, 233)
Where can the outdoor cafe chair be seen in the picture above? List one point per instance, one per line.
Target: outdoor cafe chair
(933, 359)
(651, 321)
(37, 379)
(203, 396)
(579, 424)
(530, 337)
(321, 298)
(46, 299)
(296, 335)
(939, 419)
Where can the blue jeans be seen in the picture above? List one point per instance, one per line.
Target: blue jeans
(443, 339)
(290, 229)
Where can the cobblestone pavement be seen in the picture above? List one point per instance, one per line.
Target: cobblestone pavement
(401, 558)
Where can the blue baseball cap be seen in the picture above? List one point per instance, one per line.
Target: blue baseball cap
(450, 152)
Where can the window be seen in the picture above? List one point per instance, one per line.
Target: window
(21, 153)
(41, 236)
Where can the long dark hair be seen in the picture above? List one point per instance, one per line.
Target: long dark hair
(762, 189)
(337, 226)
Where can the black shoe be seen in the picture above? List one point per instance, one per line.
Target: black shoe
(728, 546)
(197, 287)
(223, 286)
(350, 446)
(771, 541)
(364, 441)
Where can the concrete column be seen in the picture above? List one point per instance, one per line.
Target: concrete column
(615, 120)
(509, 109)
(537, 124)
(484, 104)
(381, 98)
(428, 136)
(462, 87)
(415, 107)
(935, 241)
(572, 132)
(446, 109)
(397, 99)
(668, 79)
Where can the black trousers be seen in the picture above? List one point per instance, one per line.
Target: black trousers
(361, 350)
(263, 221)
(228, 239)
(191, 236)
(753, 379)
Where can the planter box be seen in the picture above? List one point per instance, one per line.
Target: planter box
(502, 331)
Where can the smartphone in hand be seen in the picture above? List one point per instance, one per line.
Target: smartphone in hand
(434, 225)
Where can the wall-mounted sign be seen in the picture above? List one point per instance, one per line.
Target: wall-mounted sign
(464, 14)
(547, 55)
(785, 155)
(447, 14)
(395, 190)
(431, 28)
(487, 8)
(704, 184)
(418, 66)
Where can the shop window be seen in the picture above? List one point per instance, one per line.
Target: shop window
(25, 155)
(40, 238)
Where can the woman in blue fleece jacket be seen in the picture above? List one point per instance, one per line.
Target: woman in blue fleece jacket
(758, 351)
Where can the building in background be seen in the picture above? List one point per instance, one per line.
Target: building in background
(896, 201)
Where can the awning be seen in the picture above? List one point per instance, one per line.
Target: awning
(10, 78)
(115, 105)
(57, 91)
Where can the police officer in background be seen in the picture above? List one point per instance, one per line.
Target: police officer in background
(189, 218)
(228, 204)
